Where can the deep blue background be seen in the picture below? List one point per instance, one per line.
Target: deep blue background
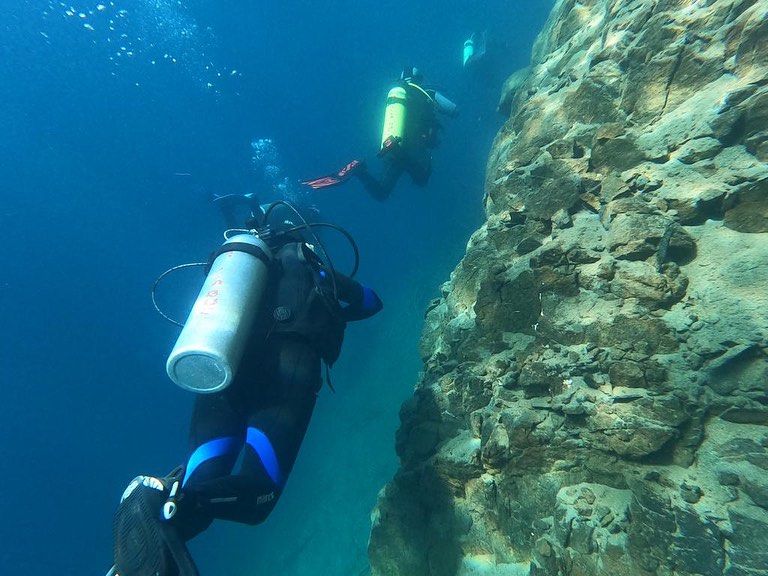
(92, 212)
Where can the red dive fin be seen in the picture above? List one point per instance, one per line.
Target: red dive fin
(336, 178)
(324, 182)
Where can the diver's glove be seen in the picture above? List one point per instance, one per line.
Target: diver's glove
(147, 543)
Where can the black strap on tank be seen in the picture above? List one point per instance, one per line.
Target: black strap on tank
(239, 247)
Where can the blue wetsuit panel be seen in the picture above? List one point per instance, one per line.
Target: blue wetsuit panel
(257, 440)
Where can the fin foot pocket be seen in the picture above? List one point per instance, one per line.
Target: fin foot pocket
(139, 544)
(145, 544)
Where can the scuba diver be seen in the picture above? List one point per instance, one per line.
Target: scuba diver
(237, 208)
(271, 311)
(409, 134)
(474, 50)
(485, 60)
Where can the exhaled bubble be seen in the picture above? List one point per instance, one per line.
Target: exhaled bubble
(268, 168)
(152, 28)
(272, 172)
(264, 153)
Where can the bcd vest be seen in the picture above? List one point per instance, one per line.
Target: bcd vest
(300, 301)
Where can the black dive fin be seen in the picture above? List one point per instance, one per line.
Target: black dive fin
(145, 543)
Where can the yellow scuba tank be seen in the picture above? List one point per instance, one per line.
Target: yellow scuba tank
(395, 115)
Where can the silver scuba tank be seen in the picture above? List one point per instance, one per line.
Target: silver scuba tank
(211, 344)
(446, 106)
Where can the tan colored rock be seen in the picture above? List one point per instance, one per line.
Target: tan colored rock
(746, 209)
(510, 88)
(594, 394)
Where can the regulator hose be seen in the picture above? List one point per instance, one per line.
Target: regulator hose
(340, 230)
(305, 225)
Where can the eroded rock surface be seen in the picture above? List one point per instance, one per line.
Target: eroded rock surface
(595, 393)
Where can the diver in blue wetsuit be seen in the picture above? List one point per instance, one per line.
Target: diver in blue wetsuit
(262, 416)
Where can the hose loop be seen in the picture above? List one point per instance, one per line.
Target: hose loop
(234, 231)
(160, 278)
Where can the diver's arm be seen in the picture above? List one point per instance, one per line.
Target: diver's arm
(362, 302)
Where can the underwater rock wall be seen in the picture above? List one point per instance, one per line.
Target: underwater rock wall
(595, 392)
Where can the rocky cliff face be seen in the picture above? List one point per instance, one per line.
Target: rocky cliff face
(595, 393)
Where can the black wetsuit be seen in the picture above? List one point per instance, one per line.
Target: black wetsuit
(414, 154)
(265, 412)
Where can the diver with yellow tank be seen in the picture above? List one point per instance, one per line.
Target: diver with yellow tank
(409, 133)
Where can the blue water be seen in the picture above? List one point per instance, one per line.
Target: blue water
(106, 163)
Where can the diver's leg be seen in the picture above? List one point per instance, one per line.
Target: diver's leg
(147, 541)
(381, 188)
(276, 429)
(217, 436)
(420, 169)
(393, 169)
